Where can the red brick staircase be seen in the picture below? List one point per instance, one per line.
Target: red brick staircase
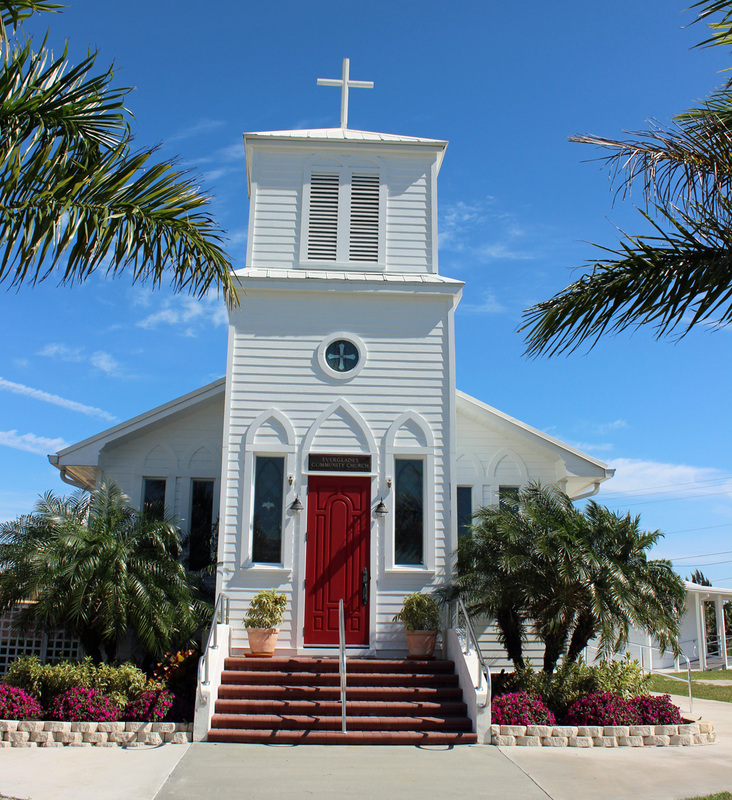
(297, 701)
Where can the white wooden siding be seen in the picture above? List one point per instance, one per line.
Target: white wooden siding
(186, 446)
(277, 208)
(493, 455)
(275, 338)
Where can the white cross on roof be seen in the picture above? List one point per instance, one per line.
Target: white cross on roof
(345, 83)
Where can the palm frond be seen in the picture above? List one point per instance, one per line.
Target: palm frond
(74, 198)
(669, 280)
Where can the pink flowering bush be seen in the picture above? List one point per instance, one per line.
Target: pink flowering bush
(83, 705)
(18, 704)
(150, 706)
(521, 708)
(653, 710)
(601, 708)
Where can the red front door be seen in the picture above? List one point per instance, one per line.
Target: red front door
(338, 552)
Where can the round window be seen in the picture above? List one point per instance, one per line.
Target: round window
(341, 355)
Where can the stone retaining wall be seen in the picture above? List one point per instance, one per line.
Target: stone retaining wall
(595, 736)
(27, 733)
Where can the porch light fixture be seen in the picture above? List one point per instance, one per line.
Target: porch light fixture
(296, 506)
(381, 510)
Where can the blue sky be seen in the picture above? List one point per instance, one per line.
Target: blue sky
(505, 84)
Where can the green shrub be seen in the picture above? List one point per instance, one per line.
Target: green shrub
(266, 610)
(574, 680)
(45, 681)
(420, 612)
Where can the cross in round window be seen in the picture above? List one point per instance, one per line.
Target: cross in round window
(341, 355)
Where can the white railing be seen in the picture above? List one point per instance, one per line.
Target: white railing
(220, 617)
(483, 673)
(342, 662)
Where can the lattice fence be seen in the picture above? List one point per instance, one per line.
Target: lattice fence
(48, 646)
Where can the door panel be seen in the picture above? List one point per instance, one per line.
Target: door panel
(338, 550)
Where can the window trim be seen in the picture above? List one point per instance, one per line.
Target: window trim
(283, 518)
(457, 505)
(345, 169)
(214, 508)
(166, 480)
(323, 362)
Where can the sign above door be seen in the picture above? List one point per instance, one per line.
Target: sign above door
(336, 462)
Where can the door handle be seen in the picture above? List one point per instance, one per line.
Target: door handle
(365, 586)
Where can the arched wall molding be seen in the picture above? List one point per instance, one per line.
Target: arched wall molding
(170, 474)
(214, 452)
(400, 421)
(348, 410)
(262, 419)
(171, 456)
(506, 452)
(477, 465)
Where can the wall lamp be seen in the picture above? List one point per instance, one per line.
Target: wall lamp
(381, 510)
(296, 506)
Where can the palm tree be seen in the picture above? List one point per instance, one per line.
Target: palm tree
(95, 566)
(74, 196)
(679, 276)
(570, 575)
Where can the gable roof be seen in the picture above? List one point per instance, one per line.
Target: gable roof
(78, 463)
(585, 473)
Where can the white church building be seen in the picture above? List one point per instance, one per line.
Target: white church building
(337, 455)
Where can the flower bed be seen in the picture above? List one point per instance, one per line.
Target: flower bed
(53, 733)
(684, 735)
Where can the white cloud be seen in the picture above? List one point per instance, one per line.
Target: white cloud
(31, 443)
(203, 126)
(99, 359)
(590, 447)
(482, 231)
(489, 305)
(189, 313)
(641, 478)
(54, 399)
(104, 362)
(62, 352)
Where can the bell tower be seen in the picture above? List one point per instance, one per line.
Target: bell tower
(340, 397)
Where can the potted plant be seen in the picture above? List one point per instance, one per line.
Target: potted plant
(265, 613)
(420, 616)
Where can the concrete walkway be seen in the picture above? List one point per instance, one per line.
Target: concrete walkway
(260, 772)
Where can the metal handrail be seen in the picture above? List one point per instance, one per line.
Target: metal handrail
(220, 617)
(470, 634)
(342, 661)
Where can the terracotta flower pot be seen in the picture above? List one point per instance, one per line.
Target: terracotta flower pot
(421, 643)
(262, 641)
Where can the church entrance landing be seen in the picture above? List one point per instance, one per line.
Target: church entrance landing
(338, 558)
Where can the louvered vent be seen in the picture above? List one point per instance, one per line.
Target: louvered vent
(323, 223)
(364, 231)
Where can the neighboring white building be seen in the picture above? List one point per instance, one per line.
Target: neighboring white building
(339, 396)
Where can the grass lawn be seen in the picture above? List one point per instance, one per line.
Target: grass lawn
(703, 691)
(720, 796)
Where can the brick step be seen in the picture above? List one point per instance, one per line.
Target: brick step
(336, 737)
(356, 708)
(319, 722)
(278, 678)
(367, 693)
(320, 665)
